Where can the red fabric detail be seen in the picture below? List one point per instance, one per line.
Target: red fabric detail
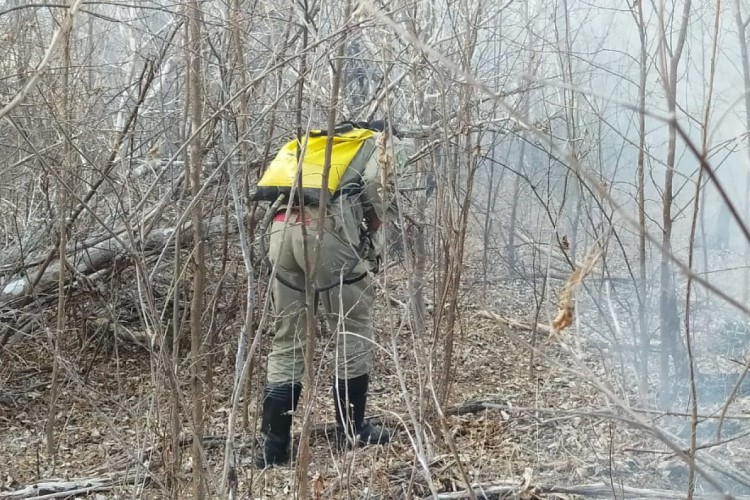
(294, 217)
(372, 220)
(374, 223)
(280, 216)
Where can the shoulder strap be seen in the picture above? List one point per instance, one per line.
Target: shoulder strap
(353, 179)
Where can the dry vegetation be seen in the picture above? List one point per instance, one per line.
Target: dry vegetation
(563, 312)
(546, 431)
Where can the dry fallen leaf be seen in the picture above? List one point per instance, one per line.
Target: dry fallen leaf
(564, 317)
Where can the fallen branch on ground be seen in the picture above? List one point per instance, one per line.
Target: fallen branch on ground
(91, 261)
(59, 489)
(513, 323)
(512, 489)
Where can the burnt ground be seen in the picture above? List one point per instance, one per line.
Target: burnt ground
(549, 426)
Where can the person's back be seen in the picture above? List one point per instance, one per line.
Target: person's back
(349, 250)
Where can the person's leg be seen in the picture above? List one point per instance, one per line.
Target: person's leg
(286, 359)
(350, 308)
(350, 317)
(279, 401)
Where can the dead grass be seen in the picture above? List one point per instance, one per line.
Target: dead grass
(547, 423)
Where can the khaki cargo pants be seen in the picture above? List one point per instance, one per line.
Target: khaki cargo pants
(347, 306)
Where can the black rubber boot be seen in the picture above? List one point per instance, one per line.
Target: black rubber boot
(351, 398)
(279, 401)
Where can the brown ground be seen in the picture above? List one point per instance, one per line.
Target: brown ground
(108, 419)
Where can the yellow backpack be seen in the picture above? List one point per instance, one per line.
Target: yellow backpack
(352, 148)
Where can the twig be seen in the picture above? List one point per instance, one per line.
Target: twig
(513, 323)
(594, 490)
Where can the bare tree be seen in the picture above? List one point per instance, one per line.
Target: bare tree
(63, 208)
(195, 166)
(644, 337)
(669, 58)
(699, 187)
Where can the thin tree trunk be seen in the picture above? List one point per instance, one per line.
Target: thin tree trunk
(643, 302)
(62, 214)
(416, 254)
(488, 220)
(457, 236)
(312, 263)
(742, 37)
(237, 70)
(199, 265)
(696, 204)
(571, 124)
(511, 248)
(669, 320)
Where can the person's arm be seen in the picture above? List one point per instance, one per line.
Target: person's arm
(374, 210)
(372, 220)
(375, 203)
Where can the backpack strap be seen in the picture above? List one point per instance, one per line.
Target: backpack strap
(341, 128)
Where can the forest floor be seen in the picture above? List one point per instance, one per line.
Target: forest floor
(547, 431)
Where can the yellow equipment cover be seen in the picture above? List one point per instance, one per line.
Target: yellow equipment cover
(281, 172)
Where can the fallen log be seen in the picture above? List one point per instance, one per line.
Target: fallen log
(89, 257)
(89, 261)
(59, 489)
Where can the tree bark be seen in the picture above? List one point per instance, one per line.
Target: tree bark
(198, 261)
